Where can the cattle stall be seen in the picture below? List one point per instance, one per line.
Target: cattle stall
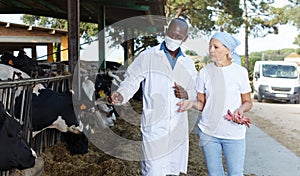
(9, 90)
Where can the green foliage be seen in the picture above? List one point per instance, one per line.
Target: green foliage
(292, 15)
(263, 18)
(298, 51)
(191, 53)
(144, 42)
(260, 19)
(87, 30)
(207, 15)
(297, 40)
(42, 21)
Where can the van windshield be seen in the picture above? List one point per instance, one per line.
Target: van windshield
(279, 71)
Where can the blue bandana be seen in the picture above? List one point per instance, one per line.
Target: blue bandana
(230, 42)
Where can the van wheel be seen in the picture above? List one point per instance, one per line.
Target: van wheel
(259, 98)
(254, 96)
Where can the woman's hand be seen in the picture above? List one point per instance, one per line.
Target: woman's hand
(238, 117)
(185, 105)
(238, 113)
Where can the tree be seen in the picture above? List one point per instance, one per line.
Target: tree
(87, 30)
(142, 39)
(206, 15)
(292, 15)
(260, 19)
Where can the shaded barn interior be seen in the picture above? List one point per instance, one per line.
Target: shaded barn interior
(101, 12)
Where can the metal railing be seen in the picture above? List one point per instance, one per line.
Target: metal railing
(10, 90)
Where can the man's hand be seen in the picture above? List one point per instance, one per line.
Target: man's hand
(115, 98)
(179, 91)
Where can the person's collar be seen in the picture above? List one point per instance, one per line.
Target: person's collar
(164, 48)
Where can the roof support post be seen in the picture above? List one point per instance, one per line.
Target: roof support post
(33, 49)
(128, 46)
(50, 52)
(73, 33)
(101, 35)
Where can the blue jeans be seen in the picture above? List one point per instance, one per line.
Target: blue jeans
(234, 153)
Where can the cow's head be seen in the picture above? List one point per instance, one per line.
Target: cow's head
(7, 58)
(15, 152)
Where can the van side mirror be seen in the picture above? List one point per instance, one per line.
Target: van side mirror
(256, 75)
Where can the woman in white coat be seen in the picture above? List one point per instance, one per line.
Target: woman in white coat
(163, 70)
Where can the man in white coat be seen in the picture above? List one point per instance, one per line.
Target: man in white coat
(167, 76)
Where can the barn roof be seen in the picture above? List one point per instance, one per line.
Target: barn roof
(29, 28)
(114, 10)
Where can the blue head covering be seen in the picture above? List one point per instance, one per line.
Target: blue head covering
(230, 42)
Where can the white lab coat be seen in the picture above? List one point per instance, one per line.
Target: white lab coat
(164, 130)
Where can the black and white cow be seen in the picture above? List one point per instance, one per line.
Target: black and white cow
(52, 109)
(97, 85)
(15, 152)
(10, 73)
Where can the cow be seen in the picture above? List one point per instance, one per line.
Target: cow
(10, 73)
(23, 63)
(94, 98)
(15, 151)
(52, 109)
(97, 84)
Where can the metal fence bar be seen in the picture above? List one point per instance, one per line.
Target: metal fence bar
(23, 82)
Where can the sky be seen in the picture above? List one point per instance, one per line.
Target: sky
(284, 39)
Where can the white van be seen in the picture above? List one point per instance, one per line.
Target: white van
(276, 80)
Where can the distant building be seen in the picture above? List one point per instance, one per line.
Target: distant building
(293, 57)
(15, 37)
